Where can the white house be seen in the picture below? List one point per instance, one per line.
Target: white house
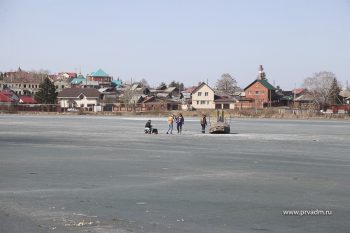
(86, 98)
(203, 97)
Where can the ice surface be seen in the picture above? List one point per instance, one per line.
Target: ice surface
(103, 174)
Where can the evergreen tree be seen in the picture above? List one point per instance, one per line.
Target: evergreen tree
(47, 93)
(178, 85)
(334, 92)
(162, 86)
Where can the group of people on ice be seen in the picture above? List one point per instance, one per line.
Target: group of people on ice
(178, 120)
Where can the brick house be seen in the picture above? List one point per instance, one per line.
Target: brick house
(103, 79)
(259, 94)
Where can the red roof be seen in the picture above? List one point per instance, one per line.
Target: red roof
(4, 98)
(27, 100)
(190, 89)
(8, 96)
(298, 91)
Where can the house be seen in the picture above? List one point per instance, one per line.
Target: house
(83, 98)
(154, 103)
(22, 82)
(260, 93)
(103, 79)
(117, 83)
(203, 97)
(224, 102)
(78, 82)
(345, 96)
(305, 102)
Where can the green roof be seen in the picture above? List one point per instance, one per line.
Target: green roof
(78, 79)
(99, 73)
(263, 82)
(266, 84)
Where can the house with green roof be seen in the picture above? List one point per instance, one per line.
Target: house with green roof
(100, 76)
(260, 93)
(78, 81)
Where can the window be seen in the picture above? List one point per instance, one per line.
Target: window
(197, 101)
(202, 102)
(199, 93)
(206, 93)
(257, 92)
(207, 101)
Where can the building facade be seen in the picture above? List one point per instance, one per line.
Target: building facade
(203, 97)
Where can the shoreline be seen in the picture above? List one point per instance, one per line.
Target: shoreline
(190, 114)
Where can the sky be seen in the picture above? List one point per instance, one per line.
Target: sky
(184, 40)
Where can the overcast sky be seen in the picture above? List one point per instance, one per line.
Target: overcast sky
(184, 40)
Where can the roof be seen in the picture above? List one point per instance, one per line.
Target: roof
(224, 99)
(117, 82)
(170, 89)
(78, 80)
(189, 89)
(75, 92)
(305, 98)
(5, 98)
(24, 99)
(200, 86)
(8, 96)
(99, 73)
(163, 94)
(298, 91)
(344, 93)
(23, 77)
(263, 82)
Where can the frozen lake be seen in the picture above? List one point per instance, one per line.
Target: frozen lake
(102, 174)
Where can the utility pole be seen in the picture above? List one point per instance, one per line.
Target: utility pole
(294, 95)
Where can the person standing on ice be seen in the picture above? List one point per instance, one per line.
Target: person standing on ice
(204, 122)
(170, 124)
(179, 122)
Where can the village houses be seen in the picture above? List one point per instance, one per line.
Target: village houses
(98, 91)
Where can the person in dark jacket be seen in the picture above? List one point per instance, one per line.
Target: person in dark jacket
(148, 127)
(203, 123)
(179, 122)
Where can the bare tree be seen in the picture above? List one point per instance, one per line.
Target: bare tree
(127, 96)
(226, 84)
(322, 87)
